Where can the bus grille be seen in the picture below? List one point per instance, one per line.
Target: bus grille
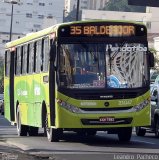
(106, 109)
(92, 96)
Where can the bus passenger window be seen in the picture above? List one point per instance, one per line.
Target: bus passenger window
(31, 57)
(15, 62)
(46, 54)
(38, 56)
(42, 56)
(21, 66)
(7, 63)
(24, 69)
(28, 47)
(34, 57)
(18, 71)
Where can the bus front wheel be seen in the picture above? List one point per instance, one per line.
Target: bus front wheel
(53, 134)
(124, 134)
(21, 129)
(140, 131)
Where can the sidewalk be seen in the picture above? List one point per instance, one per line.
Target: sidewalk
(13, 153)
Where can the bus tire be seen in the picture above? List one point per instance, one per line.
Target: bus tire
(33, 131)
(22, 130)
(157, 128)
(43, 120)
(140, 131)
(124, 134)
(53, 134)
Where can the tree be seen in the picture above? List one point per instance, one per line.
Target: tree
(122, 5)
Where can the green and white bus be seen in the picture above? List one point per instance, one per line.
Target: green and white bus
(80, 76)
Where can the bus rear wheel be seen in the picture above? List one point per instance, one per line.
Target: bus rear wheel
(22, 130)
(124, 134)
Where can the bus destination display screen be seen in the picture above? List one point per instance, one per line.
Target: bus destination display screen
(102, 30)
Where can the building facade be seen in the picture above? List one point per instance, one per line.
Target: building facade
(156, 45)
(4, 38)
(154, 22)
(115, 15)
(96, 4)
(28, 16)
(70, 5)
(150, 19)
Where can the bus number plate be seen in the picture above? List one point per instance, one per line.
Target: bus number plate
(106, 119)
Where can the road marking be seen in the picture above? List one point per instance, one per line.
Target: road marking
(143, 142)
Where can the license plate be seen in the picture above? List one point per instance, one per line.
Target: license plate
(106, 119)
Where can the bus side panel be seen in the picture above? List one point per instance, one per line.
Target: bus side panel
(7, 99)
(37, 91)
(23, 97)
(30, 92)
(45, 93)
(9, 86)
(24, 86)
(41, 94)
(30, 112)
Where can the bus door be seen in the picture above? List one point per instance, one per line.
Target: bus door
(11, 86)
(37, 86)
(52, 82)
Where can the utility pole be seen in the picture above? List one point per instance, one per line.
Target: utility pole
(12, 2)
(10, 37)
(77, 11)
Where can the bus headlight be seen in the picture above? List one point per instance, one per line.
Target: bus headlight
(69, 107)
(140, 106)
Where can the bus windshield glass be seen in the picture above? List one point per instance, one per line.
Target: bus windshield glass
(106, 65)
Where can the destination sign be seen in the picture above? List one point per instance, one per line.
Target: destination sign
(107, 29)
(112, 30)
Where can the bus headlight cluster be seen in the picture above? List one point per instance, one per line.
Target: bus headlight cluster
(141, 106)
(69, 107)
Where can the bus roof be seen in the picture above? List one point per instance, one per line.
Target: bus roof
(47, 31)
(31, 36)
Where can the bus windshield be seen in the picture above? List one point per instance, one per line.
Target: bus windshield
(106, 65)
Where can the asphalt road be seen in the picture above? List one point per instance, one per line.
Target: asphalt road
(72, 147)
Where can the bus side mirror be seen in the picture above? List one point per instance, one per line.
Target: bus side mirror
(154, 99)
(151, 59)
